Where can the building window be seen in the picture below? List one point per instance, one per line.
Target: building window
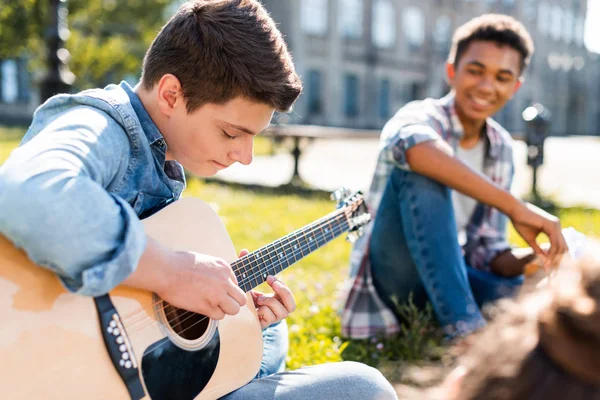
(350, 95)
(351, 20)
(413, 21)
(579, 30)
(556, 24)
(315, 100)
(508, 6)
(24, 80)
(529, 10)
(415, 91)
(313, 17)
(10, 81)
(384, 98)
(384, 24)
(568, 22)
(442, 34)
(411, 91)
(544, 15)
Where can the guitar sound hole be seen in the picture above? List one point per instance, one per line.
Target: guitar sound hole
(188, 325)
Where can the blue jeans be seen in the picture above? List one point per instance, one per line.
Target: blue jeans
(275, 349)
(414, 249)
(332, 381)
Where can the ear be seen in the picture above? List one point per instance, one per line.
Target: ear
(517, 86)
(168, 94)
(450, 73)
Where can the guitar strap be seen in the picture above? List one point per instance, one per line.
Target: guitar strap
(118, 346)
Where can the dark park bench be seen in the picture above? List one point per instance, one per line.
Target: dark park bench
(302, 134)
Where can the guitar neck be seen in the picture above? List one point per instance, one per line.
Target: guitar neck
(253, 269)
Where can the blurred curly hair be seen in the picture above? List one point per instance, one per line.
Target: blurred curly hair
(546, 346)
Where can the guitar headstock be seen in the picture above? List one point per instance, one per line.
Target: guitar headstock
(356, 211)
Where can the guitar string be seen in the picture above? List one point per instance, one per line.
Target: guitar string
(333, 217)
(190, 327)
(152, 322)
(258, 256)
(146, 318)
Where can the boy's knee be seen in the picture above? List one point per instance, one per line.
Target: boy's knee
(423, 183)
(367, 381)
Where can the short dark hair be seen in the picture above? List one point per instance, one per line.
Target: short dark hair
(547, 346)
(503, 30)
(221, 49)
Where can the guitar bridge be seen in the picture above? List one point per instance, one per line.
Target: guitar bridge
(118, 346)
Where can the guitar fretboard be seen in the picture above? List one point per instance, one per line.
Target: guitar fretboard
(253, 269)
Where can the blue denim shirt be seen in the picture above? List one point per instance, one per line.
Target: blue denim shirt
(72, 194)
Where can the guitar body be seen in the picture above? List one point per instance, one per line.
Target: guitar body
(51, 343)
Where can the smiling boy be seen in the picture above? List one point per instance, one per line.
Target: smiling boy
(93, 164)
(441, 195)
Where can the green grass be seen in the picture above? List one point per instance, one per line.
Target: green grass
(256, 217)
(9, 139)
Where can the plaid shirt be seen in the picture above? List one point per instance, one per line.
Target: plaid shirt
(365, 314)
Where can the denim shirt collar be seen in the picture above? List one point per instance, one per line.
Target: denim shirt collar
(172, 169)
(148, 126)
(457, 130)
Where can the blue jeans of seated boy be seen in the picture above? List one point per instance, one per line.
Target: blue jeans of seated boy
(414, 249)
(275, 349)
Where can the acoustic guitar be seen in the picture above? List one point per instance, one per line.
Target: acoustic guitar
(130, 343)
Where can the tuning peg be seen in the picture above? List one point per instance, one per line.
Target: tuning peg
(353, 236)
(339, 194)
(360, 221)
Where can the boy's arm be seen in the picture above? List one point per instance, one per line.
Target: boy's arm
(435, 160)
(54, 205)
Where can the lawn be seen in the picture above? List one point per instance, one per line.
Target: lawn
(257, 217)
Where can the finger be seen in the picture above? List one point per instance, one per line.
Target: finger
(232, 276)
(542, 254)
(237, 295)
(216, 313)
(564, 245)
(274, 305)
(284, 293)
(554, 245)
(229, 306)
(266, 317)
(536, 248)
(557, 245)
(243, 252)
(255, 295)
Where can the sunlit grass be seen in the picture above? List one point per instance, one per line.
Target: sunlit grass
(9, 140)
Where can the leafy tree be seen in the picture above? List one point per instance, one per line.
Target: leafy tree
(107, 39)
(21, 26)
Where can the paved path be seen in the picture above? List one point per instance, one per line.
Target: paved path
(570, 175)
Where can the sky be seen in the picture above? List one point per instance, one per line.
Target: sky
(592, 26)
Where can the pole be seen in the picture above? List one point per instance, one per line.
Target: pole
(58, 78)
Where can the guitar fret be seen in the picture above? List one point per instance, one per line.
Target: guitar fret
(253, 269)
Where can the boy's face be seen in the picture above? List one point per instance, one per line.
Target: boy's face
(215, 136)
(485, 78)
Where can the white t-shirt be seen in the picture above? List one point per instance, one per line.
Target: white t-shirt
(465, 205)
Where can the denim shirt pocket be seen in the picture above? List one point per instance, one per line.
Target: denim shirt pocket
(146, 204)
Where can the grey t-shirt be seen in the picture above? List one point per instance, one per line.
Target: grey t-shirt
(464, 205)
